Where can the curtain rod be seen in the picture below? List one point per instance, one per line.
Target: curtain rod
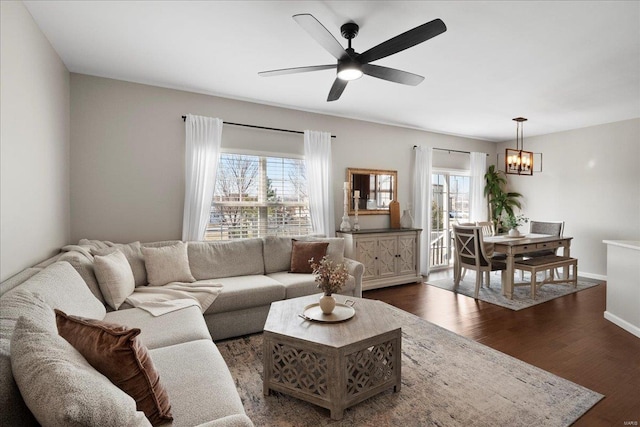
(184, 118)
(450, 151)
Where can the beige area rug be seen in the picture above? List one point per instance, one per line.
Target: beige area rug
(447, 380)
(521, 295)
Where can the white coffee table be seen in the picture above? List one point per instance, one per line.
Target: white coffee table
(332, 365)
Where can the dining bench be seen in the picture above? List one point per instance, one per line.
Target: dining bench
(548, 263)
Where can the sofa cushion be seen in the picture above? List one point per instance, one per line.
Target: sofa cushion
(59, 385)
(17, 279)
(198, 381)
(335, 250)
(277, 251)
(84, 267)
(19, 303)
(61, 287)
(133, 253)
(213, 260)
(162, 331)
(167, 264)
(116, 352)
(298, 285)
(246, 292)
(114, 277)
(303, 252)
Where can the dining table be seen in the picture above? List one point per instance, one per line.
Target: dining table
(514, 246)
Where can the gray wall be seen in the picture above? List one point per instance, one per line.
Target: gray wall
(590, 180)
(34, 141)
(127, 153)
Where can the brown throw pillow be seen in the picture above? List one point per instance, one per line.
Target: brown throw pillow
(116, 352)
(302, 252)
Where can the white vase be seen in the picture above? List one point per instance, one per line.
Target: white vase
(327, 304)
(514, 232)
(407, 220)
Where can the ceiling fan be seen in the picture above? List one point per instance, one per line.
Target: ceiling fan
(352, 65)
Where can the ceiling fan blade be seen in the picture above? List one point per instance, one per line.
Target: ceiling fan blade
(404, 41)
(337, 89)
(320, 34)
(391, 74)
(284, 71)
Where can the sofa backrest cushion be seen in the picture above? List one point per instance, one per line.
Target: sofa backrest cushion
(213, 260)
(61, 287)
(18, 279)
(277, 251)
(84, 267)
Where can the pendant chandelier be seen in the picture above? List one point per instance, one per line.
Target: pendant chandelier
(518, 161)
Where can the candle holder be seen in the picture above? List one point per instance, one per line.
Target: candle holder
(345, 225)
(356, 202)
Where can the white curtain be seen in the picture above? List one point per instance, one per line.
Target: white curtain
(317, 160)
(422, 157)
(203, 137)
(477, 201)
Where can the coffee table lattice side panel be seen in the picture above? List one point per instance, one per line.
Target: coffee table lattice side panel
(301, 369)
(370, 367)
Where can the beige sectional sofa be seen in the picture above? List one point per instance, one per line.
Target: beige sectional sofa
(253, 273)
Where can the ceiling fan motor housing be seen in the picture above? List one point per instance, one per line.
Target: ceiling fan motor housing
(349, 30)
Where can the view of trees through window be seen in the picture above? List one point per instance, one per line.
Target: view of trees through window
(259, 196)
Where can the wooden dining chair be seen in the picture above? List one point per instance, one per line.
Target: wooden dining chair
(470, 254)
(488, 228)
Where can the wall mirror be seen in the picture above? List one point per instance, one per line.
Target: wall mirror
(376, 188)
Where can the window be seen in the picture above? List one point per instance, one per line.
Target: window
(258, 196)
(450, 205)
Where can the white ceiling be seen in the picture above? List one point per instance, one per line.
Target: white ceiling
(563, 65)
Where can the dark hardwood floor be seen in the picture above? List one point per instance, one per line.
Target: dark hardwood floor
(567, 336)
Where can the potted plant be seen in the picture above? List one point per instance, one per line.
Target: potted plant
(512, 222)
(499, 201)
(330, 279)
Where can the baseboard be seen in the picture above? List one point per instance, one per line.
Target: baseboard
(622, 323)
(592, 276)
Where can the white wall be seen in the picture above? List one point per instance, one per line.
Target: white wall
(590, 180)
(34, 141)
(127, 157)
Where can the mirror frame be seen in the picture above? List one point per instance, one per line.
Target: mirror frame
(357, 171)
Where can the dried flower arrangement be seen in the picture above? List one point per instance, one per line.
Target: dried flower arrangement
(329, 278)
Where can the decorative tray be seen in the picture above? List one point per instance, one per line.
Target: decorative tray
(341, 313)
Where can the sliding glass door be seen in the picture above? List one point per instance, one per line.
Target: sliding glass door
(450, 205)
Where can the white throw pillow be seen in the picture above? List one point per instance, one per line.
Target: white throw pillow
(114, 277)
(61, 388)
(133, 253)
(167, 264)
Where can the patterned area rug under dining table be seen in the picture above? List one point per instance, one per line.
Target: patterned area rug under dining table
(447, 380)
(521, 294)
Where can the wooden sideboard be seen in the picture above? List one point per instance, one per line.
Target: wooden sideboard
(390, 256)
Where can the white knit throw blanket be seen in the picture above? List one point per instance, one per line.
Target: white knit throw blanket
(159, 300)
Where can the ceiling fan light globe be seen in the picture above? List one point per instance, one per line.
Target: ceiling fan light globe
(349, 70)
(349, 74)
